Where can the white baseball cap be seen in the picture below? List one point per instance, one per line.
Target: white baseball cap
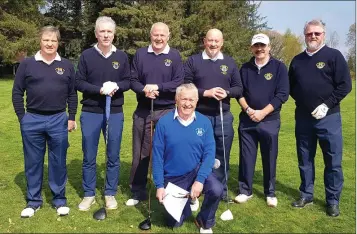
(260, 38)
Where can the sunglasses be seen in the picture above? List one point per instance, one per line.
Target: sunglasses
(317, 34)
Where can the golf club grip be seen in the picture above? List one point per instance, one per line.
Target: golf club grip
(108, 101)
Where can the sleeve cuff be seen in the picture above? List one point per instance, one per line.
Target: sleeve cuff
(159, 186)
(72, 117)
(160, 86)
(200, 179)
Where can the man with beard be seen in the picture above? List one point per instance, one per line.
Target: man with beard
(319, 80)
(265, 88)
(156, 72)
(217, 78)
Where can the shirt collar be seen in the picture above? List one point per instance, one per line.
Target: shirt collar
(205, 56)
(113, 49)
(312, 53)
(165, 51)
(176, 115)
(38, 57)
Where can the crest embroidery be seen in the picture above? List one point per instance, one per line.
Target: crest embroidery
(224, 69)
(200, 131)
(116, 64)
(320, 65)
(59, 70)
(167, 62)
(268, 76)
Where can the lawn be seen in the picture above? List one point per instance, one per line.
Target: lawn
(253, 216)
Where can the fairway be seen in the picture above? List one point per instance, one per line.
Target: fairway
(253, 216)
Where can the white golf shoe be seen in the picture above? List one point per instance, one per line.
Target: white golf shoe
(195, 204)
(131, 202)
(86, 203)
(29, 211)
(110, 202)
(272, 201)
(209, 230)
(62, 210)
(242, 198)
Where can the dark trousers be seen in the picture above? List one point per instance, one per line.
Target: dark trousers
(250, 134)
(228, 139)
(91, 125)
(212, 190)
(141, 150)
(36, 131)
(328, 131)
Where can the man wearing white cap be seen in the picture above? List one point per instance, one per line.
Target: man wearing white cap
(265, 88)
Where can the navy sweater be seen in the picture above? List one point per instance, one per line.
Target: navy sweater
(178, 150)
(321, 78)
(93, 71)
(49, 88)
(165, 70)
(207, 74)
(269, 85)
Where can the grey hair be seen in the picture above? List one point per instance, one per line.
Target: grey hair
(315, 22)
(51, 29)
(160, 23)
(188, 86)
(104, 19)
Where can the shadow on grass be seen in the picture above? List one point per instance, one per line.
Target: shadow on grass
(20, 180)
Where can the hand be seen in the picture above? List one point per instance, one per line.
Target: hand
(150, 92)
(150, 88)
(196, 190)
(160, 193)
(109, 88)
(72, 125)
(320, 111)
(216, 93)
(257, 115)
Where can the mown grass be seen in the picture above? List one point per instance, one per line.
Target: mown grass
(253, 216)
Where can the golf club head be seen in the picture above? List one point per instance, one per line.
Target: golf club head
(100, 214)
(145, 225)
(227, 215)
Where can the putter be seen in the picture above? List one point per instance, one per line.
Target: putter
(101, 214)
(146, 224)
(227, 215)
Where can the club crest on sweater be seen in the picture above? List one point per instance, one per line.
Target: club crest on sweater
(224, 69)
(320, 65)
(115, 64)
(268, 76)
(59, 70)
(200, 131)
(167, 62)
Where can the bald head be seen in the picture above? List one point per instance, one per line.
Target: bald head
(213, 42)
(159, 35)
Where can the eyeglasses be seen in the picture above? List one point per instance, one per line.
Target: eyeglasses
(317, 34)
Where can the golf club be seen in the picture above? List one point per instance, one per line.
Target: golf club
(101, 214)
(146, 224)
(227, 215)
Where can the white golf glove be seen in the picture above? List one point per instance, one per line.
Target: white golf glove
(320, 111)
(109, 87)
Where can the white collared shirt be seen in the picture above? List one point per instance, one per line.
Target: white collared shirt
(165, 51)
(113, 49)
(38, 57)
(182, 121)
(312, 53)
(205, 56)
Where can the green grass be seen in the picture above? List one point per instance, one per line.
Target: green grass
(253, 216)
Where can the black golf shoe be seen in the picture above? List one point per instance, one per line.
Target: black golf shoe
(302, 202)
(333, 210)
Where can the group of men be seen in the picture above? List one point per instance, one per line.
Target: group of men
(187, 140)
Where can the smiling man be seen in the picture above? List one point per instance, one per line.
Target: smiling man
(155, 74)
(265, 88)
(319, 80)
(49, 83)
(183, 154)
(217, 78)
(102, 70)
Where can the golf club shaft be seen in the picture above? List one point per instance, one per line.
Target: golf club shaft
(224, 149)
(150, 154)
(108, 101)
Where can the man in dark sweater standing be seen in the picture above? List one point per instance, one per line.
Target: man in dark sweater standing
(49, 83)
(102, 70)
(183, 154)
(217, 78)
(319, 80)
(156, 72)
(265, 88)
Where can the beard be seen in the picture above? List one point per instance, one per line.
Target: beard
(313, 45)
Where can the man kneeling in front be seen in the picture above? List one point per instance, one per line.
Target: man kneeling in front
(183, 154)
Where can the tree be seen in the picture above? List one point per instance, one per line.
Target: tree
(351, 55)
(333, 40)
(276, 43)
